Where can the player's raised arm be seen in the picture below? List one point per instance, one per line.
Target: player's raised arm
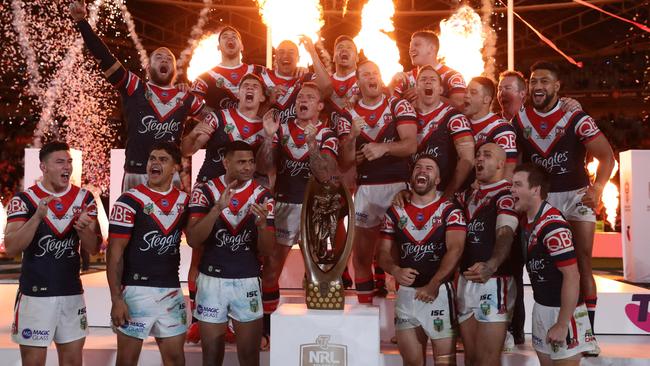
(322, 77)
(112, 68)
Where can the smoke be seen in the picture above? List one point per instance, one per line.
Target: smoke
(489, 48)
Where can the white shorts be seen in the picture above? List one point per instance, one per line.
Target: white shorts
(490, 302)
(131, 180)
(437, 318)
(580, 337)
(287, 223)
(40, 320)
(156, 311)
(220, 298)
(371, 202)
(569, 203)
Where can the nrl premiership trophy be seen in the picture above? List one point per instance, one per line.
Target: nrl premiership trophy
(325, 261)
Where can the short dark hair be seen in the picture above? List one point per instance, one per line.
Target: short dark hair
(255, 77)
(169, 147)
(238, 145)
(546, 65)
(312, 85)
(429, 35)
(51, 147)
(487, 84)
(537, 177)
(229, 28)
(521, 80)
(361, 63)
(428, 67)
(425, 156)
(344, 37)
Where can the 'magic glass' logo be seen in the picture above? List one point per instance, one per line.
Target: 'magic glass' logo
(638, 314)
(323, 353)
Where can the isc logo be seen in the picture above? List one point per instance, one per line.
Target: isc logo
(486, 297)
(437, 313)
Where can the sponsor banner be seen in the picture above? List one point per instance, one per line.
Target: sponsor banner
(325, 337)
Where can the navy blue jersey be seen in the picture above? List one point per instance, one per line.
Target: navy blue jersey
(230, 125)
(293, 169)
(152, 114)
(420, 234)
(487, 208)
(556, 142)
(286, 103)
(231, 248)
(549, 246)
(153, 223)
(437, 131)
(219, 86)
(381, 125)
(50, 265)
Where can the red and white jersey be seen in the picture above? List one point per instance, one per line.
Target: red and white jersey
(50, 264)
(220, 85)
(420, 234)
(229, 125)
(344, 88)
(493, 128)
(286, 103)
(152, 114)
(549, 245)
(437, 131)
(555, 141)
(293, 169)
(452, 81)
(381, 125)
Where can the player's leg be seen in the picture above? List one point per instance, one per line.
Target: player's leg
(412, 344)
(544, 359)
(363, 253)
(468, 329)
(193, 333)
(128, 349)
(171, 350)
(444, 351)
(583, 239)
(571, 361)
(488, 342)
(71, 329)
(249, 335)
(33, 356)
(213, 342)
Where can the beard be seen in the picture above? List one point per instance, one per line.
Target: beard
(421, 191)
(545, 103)
(159, 79)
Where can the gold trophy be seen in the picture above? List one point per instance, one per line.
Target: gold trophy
(323, 206)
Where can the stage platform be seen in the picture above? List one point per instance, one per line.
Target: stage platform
(621, 330)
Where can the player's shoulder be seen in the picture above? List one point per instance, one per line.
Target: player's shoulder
(550, 220)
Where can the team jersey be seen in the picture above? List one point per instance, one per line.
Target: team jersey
(153, 223)
(452, 81)
(293, 170)
(344, 88)
(381, 125)
(229, 125)
(485, 208)
(230, 251)
(556, 142)
(420, 234)
(286, 103)
(494, 129)
(548, 245)
(50, 264)
(220, 85)
(437, 131)
(152, 114)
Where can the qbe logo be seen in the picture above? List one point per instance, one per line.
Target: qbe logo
(323, 353)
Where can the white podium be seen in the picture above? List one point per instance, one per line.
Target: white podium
(304, 337)
(635, 201)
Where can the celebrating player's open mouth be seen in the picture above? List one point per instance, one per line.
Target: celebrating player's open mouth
(249, 96)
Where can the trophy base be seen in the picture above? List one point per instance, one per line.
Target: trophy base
(325, 296)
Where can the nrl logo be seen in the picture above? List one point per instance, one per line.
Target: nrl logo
(323, 353)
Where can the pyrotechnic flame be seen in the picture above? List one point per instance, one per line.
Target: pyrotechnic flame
(374, 39)
(205, 56)
(461, 42)
(290, 19)
(610, 191)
